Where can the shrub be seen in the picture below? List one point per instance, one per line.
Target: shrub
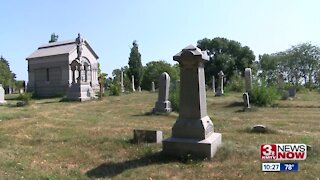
(114, 90)
(263, 95)
(236, 84)
(174, 96)
(26, 97)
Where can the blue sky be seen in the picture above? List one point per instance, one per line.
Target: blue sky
(161, 28)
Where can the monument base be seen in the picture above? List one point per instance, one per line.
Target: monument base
(162, 106)
(80, 92)
(181, 146)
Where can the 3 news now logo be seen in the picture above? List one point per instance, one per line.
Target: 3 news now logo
(283, 151)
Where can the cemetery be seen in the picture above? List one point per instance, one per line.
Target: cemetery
(212, 134)
(159, 90)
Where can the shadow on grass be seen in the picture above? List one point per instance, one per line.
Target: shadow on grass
(151, 113)
(235, 104)
(109, 170)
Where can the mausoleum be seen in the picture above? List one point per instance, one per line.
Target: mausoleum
(55, 67)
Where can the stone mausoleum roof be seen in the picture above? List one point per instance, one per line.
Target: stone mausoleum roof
(58, 48)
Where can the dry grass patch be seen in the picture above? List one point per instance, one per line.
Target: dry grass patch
(70, 140)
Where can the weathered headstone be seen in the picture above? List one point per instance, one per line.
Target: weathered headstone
(193, 132)
(248, 80)
(163, 104)
(213, 85)
(220, 91)
(122, 86)
(132, 81)
(153, 87)
(2, 101)
(292, 92)
(150, 136)
(246, 100)
(139, 89)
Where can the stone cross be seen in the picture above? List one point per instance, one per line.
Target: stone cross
(213, 85)
(2, 101)
(248, 80)
(153, 87)
(220, 84)
(122, 86)
(163, 104)
(193, 132)
(132, 81)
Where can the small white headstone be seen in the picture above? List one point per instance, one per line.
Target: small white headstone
(2, 101)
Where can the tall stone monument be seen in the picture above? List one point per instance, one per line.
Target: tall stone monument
(220, 91)
(2, 101)
(193, 132)
(132, 82)
(122, 86)
(153, 87)
(248, 80)
(213, 85)
(163, 104)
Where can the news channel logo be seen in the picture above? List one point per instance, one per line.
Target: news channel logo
(282, 152)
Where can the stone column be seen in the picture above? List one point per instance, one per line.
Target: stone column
(213, 85)
(248, 80)
(122, 86)
(2, 101)
(220, 84)
(132, 81)
(153, 87)
(163, 104)
(193, 132)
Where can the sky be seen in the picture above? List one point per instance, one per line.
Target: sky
(161, 27)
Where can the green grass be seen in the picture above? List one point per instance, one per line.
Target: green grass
(70, 140)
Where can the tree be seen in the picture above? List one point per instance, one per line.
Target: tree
(153, 70)
(135, 65)
(300, 62)
(6, 76)
(226, 55)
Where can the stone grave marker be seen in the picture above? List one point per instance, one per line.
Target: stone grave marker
(220, 91)
(163, 104)
(122, 85)
(149, 136)
(132, 82)
(292, 92)
(246, 100)
(153, 89)
(192, 133)
(2, 101)
(213, 85)
(248, 80)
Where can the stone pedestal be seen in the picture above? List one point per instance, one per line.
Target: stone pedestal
(163, 104)
(193, 131)
(80, 92)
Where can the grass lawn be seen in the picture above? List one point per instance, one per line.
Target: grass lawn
(71, 140)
